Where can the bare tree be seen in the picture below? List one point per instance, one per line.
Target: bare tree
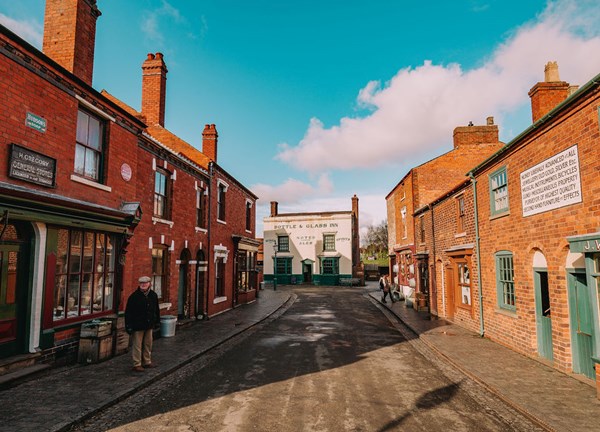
(375, 242)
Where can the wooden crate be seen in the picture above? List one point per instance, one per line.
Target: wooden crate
(94, 349)
(95, 329)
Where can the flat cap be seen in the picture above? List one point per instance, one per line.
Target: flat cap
(144, 279)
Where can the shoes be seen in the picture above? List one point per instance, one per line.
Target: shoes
(138, 369)
(150, 366)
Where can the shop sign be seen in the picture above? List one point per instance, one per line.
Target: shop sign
(551, 184)
(35, 122)
(31, 166)
(585, 245)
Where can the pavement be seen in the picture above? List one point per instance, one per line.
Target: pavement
(61, 398)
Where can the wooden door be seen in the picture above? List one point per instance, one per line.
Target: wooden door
(450, 292)
(543, 315)
(582, 328)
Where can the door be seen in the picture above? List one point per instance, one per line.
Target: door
(580, 313)
(543, 315)
(307, 272)
(182, 294)
(450, 292)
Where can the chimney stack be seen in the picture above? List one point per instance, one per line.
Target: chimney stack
(473, 135)
(154, 89)
(209, 142)
(70, 35)
(548, 94)
(273, 208)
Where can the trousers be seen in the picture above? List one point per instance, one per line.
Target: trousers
(141, 347)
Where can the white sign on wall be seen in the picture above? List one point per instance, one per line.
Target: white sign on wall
(551, 184)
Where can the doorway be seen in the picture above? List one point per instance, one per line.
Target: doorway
(582, 329)
(182, 296)
(307, 270)
(450, 292)
(543, 314)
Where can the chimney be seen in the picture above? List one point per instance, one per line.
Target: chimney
(70, 35)
(154, 89)
(546, 95)
(473, 135)
(209, 142)
(273, 208)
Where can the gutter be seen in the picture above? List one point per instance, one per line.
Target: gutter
(478, 254)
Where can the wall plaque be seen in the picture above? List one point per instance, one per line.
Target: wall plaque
(31, 166)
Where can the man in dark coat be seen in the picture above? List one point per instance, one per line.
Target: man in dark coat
(142, 315)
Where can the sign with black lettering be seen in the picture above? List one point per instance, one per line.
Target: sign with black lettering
(31, 166)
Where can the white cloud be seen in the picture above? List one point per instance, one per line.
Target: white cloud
(292, 191)
(151, 21)
(30, 30)
(415, 112)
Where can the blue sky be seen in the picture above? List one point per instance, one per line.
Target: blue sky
(316, 101)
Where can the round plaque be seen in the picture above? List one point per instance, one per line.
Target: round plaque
(126, 172)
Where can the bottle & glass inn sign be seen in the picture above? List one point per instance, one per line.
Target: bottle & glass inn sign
(30, 166)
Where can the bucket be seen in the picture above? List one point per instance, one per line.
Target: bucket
(167, 325)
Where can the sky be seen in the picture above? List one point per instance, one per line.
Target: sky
(315, 101)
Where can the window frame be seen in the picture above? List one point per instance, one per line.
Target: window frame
(496, 188)
(162, 276)
(246, 271)
(166, 196)
(201, 208)
(248, 216)
(283, 246)
(329, 243)
(460, 214)
(462, 283)
(505, 281)
(221, 201)
(333, 263)
(286, 264)
(87, 147)
(422, 229)
(219, 277)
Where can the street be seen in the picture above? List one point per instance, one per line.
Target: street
(332, 362)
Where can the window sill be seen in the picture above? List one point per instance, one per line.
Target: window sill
(459, 235)
(221, 221)
(156, 220)
(218, 300)
(500, 215)
(249, 232)
(202, 230)
(90, 183)
(507, 312)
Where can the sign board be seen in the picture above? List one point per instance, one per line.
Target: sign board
(126, 172)
(31, 166)
(35, 122)
(551, 184)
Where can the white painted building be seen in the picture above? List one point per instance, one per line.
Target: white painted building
(315, 248)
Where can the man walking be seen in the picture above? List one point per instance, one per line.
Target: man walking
(142, 315)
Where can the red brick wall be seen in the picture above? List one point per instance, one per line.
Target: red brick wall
(544, 232)
(545, 96)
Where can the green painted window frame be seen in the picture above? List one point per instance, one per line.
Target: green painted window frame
(498, 182)
(505, 281)
(330, 266)
(282, 263)
(283, 246)
(329, 242)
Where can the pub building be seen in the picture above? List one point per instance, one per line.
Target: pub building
(67, 199)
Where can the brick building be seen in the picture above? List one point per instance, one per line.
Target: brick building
(410, 263)
(538, 210)
(94, 194)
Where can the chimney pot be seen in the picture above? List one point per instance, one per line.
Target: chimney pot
(274, 206)
(154, 89)
(546, 95)
(490, 121)
(551, 72)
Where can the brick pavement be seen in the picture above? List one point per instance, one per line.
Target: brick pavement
(58, 399)
(556, 400)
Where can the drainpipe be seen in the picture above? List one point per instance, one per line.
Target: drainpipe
(433, 276)
(208, 254)
(477, 252)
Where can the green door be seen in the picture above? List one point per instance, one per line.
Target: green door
(543, 316)
(11, 319)
(580, 313)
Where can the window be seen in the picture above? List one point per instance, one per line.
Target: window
(159, 270)
(505, 280)
(404, 222)
(200, 208)
(220, 277)
(161, 194)
(283, 266)
(88, 147)
(499, 192)
(221, 202)
(330, 266)
(464, 283)
(283, 244)
(84, 273)
(245, 269)
(422, 228)
(460, 214)
(248, 216)
(328, 242)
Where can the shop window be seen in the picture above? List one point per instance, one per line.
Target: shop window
(159, 270)
(84, 273)
(283, 244)
(161, 193)
(201, 208)
(221, 200)
(89, 146)
(460, 214)
(329, 242)
(505, 280)
(220, 277)
(330, 266)
(499, 192)
(246, 279)
(283, 266)
(464, 284)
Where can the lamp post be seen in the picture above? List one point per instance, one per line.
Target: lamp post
(275, 245)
